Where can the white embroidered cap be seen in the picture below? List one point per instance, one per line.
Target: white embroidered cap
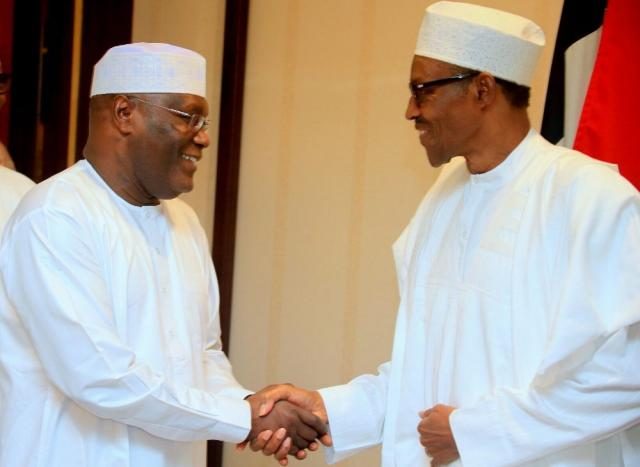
(149, 68)
(481, 38)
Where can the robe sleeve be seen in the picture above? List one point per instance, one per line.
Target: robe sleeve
(357, 410)
(587, 386)
(55, 283)
(356, 413)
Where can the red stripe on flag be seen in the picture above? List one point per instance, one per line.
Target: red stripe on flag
(610, 121)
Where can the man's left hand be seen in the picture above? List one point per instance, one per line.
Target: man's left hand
(436, 435)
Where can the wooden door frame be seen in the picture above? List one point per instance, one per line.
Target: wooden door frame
(228, 169)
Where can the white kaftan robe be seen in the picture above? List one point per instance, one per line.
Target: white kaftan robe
(519, 305)
(13, 186)
(110, 350)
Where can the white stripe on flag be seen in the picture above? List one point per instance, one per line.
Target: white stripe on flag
(579, 60)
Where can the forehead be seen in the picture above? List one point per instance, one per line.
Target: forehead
(425, 69)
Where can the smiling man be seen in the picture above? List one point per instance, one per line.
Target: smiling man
(110, 349)
(517, 341)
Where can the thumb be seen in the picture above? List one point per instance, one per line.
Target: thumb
(270, 397)
(266, 407)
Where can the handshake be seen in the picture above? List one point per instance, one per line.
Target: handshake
(286, 420)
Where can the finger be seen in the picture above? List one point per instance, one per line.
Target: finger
(273, 445)
(294, 450)
(305, 432)
(313, 446)
(241, 446)
(298, 442)
(314, 422)
(301, 454)
(283, 450)
(258, 443)
(326, 440)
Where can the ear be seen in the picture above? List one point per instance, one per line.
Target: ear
(486, 89)
(122, 114)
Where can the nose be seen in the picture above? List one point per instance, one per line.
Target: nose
(201, 138)
(413, 110)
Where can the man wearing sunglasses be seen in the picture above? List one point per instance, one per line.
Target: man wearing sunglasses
(110, 349)
(518, 334)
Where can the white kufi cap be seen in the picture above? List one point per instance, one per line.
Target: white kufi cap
(149, 68)
(481, 38)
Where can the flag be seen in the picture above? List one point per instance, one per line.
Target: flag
(591, 99)
(573, 57)
(610, 119)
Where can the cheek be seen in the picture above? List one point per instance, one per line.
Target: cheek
(166, 152)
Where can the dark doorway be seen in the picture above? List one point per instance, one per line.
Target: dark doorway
(41, 85)
(228, 170)
(42, 71)
(104, 24)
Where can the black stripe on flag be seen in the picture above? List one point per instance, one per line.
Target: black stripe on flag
(579, 18)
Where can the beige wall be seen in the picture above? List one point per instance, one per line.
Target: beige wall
(331, 173)
(197, 25)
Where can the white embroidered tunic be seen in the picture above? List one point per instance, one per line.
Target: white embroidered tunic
(520, 306)
(110, 351)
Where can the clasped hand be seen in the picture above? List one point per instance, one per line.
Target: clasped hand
(436, 435)
(286, 420)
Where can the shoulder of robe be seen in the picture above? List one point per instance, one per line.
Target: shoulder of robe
(67, 193)
(575, 174)
(14, 181)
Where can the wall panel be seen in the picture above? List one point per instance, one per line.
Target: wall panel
(196, 25)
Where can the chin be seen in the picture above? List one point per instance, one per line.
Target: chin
(183, 186)
(435, 162)
(187, 188)
(175, 192)
(181, 192)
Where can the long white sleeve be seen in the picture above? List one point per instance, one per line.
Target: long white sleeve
(56, 285)
(356, 414)
(587, 387)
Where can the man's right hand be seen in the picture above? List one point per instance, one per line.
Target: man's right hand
(310, 400)
(272, 442)
(301, 426)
